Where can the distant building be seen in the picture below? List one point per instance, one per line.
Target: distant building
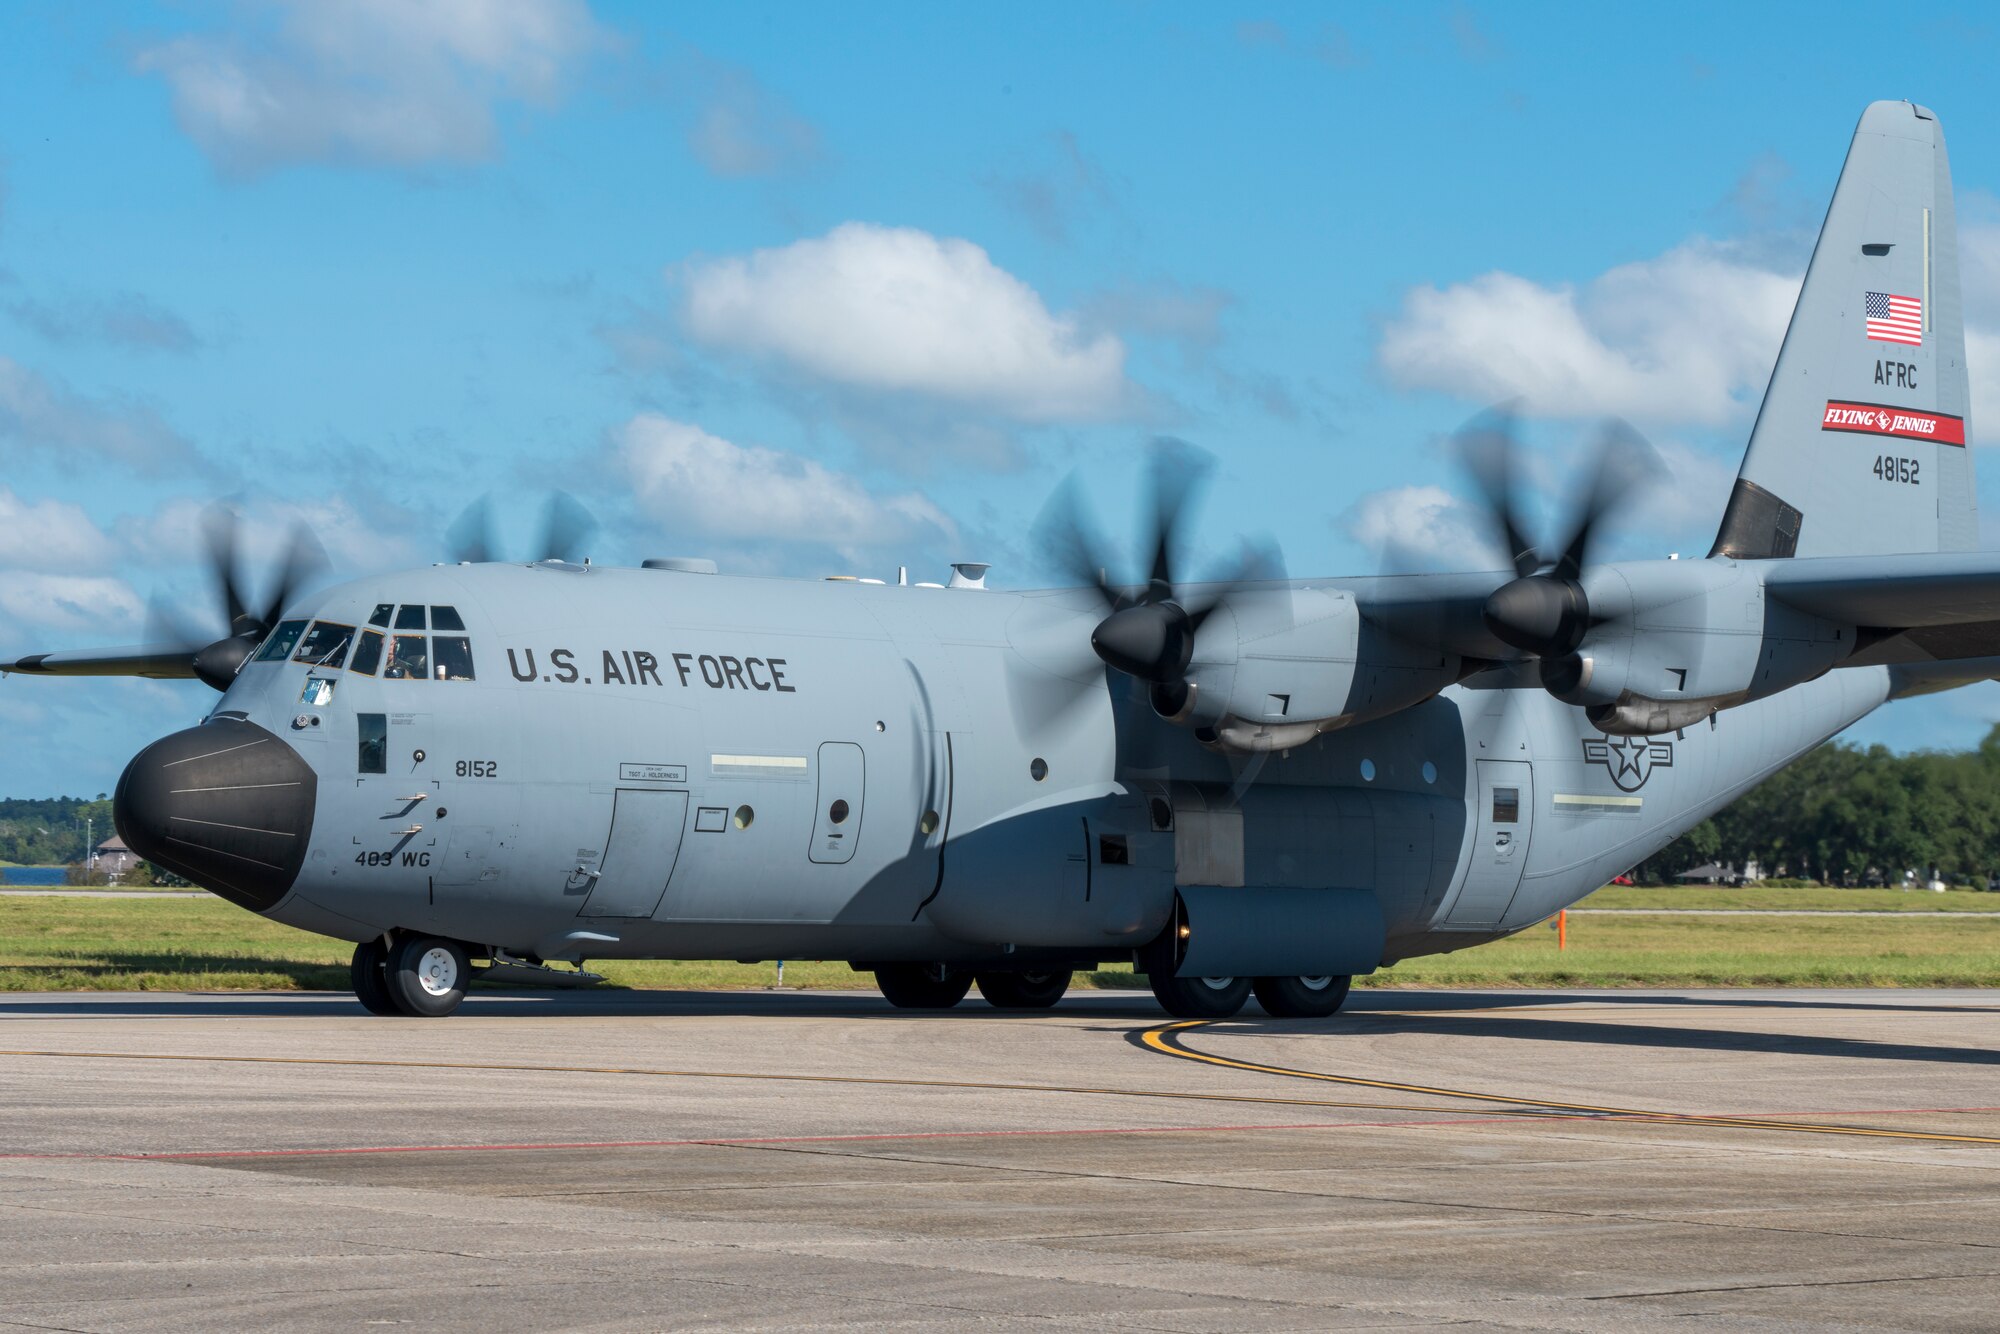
(113, 858)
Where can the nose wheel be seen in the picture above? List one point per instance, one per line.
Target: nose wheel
(420, 976)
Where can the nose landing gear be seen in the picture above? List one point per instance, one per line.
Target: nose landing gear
(420, 976)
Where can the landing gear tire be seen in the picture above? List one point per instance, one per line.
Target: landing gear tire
(1199, 997)
(922, 986)
(1302, 997)
(426, 976)
(371, 985)
(1023, 991)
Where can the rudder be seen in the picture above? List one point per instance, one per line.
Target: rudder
(1861, 445)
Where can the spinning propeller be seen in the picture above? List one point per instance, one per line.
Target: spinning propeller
(1544, 610)
(566, 526)
(1150, 630)
(216, 661)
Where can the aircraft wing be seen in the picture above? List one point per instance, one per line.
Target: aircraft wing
(1924, 606)
(1444, 610)
(160, 661)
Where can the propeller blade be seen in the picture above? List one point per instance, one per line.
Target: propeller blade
(1487, 448)
(1070, 543)
(1621, 461)
(1257, 561)
(167, 627)
(219, 527)
(1179, 473)
(470, 537)
(566, 526)
(304, 558)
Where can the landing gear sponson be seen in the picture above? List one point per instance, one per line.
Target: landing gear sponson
(940, 987)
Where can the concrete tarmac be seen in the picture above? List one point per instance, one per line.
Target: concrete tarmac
(1515, 1160)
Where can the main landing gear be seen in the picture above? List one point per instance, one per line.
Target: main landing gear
(937, 986)
(1220, 997)
(420, 976)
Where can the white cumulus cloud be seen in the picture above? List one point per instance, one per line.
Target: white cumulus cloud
(1688, 337)
(1423, 527)
(49, 535)
(701, 483)
(896, 309)
(391, 82)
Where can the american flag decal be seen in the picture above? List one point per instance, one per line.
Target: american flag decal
(1896, 319)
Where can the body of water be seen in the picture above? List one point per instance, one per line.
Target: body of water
(31, 875)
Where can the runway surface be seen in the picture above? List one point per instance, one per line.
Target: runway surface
(1493, 1160)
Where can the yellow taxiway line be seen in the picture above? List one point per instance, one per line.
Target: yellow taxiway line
(1166, 1039)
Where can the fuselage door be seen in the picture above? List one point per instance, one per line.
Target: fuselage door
(639, 853)
(1499, 843)
(837, 818)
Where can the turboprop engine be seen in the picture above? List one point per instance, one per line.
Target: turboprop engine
(1270, 668)
(1660, 645)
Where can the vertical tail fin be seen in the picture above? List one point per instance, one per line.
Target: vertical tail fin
(1861, 446)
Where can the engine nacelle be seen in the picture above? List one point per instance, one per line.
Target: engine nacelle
(1275, 668)
(1680, 640)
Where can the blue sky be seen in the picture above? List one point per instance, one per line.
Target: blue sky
(817, 289)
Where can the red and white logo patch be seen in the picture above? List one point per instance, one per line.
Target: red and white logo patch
(1881, 419)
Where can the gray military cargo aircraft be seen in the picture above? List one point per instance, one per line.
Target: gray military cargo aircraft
(1248, 783)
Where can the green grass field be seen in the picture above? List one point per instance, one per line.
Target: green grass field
(1807, 899)
(58, 944)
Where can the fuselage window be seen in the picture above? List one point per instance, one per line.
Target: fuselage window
(325, 645)
(410, 618)
(408, 659)
(373, 754)
(446, 618)
(281, 641)
(454, 657)
(369, 655)
(380, 616)
(1506, 805)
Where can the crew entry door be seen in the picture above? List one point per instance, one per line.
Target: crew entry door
(639, 853)
(1500, 843)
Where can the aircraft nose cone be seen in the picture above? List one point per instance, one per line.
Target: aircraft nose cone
(226, 804)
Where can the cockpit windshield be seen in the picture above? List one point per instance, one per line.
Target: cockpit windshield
(405, 653)
(325, 645)
(281, 641)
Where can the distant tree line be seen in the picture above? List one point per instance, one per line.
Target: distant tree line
(52, 831)
(1845, 815)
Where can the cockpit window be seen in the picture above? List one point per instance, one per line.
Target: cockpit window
(368, 656)
(454, 657)
(380, 616)
(325, 645)
(281, 641)
(446, 618)
(408, 659)
(410, 618)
